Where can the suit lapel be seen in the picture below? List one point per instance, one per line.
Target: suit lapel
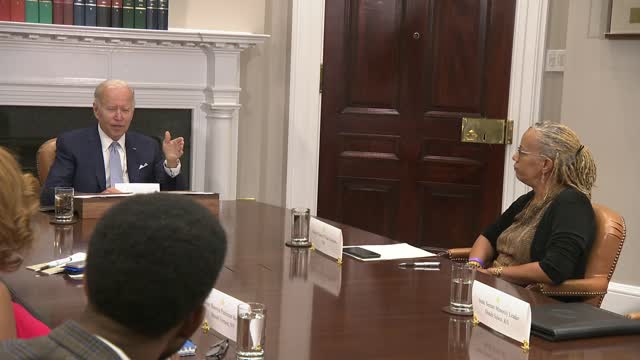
(132, 159)
(95, 146)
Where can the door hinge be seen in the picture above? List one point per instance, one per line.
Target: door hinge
(487, 131)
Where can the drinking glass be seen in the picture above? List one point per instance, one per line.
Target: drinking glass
(462, 277)
(300, 218)
(63, 204)
(250, 334)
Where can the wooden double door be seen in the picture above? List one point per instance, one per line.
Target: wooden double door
(399, 76)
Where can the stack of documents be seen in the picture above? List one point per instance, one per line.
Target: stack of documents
(395, 251)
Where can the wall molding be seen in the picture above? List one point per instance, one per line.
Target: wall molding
(527, 68)
(622, 298)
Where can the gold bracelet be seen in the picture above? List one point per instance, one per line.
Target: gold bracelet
(497, 272)
(474, 264)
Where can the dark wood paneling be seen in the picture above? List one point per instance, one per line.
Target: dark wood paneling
(373, 76)
(369, 204)
(370, 146)
(448, 214)
(456, 55)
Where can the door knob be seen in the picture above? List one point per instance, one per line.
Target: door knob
(416, 35)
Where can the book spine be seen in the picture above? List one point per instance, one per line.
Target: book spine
(78, 12)
(17, 10)
(152, 14)
(45, 12)
(31, 11)
(128, 11)
(140, 16)
(163, 14)
(90, 16)
(58, 12)
(5, 10)
(116, 14)
(67, 12)
(103, 13)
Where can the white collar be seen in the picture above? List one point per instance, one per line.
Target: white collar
(117, 350)
(106, 141)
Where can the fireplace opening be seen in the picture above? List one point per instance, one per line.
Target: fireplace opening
(24, 128)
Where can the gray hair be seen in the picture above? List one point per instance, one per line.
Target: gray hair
(112, 83)
(573, 163)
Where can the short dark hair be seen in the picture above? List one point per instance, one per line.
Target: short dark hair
(152, 260)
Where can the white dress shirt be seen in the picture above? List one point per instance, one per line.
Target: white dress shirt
(117, 350)
(106, 141)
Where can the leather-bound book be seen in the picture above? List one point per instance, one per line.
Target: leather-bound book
(67, 10)
(17, 10)
(128, 10)
(103, 13)
(31, 11)
(58, 12)
(5, 10)
(140, 20)
(90, 13)
(45, 12)
(152, 14)
(78, 12)
(163, 14)
(116, 13)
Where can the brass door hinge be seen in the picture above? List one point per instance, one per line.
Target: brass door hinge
(487, 131)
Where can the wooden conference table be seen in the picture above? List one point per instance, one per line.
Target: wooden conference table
(317, 309)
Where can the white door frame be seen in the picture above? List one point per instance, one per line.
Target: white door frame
(307, 30)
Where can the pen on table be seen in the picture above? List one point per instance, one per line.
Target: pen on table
(53, 264)
(421, 264)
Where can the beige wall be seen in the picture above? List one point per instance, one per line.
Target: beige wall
(552, 81)
(264, 80)
(601, 99)
(228, 15)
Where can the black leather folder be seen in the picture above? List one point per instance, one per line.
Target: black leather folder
(568, 321)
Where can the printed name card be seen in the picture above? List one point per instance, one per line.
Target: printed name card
(222, 313)
(502, 312)
(326, 238)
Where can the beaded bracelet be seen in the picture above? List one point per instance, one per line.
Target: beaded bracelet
(478, 260)
(497, 272)
(474, 264)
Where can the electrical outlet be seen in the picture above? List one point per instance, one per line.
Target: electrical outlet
(555, 60)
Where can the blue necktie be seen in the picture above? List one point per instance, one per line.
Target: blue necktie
(115, 167)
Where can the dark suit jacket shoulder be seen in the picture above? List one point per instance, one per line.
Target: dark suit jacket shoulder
(79, 163)
(67, 341)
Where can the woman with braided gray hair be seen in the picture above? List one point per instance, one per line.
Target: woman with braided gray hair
(545, 236)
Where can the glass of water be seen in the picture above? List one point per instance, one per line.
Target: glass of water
(462, 277)
(300, 218)
(63, 205)
(250, 333)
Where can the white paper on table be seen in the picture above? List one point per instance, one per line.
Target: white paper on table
(394, 251)
(92, 196)
(138, 188)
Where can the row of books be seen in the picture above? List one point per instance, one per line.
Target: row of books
(139, 14)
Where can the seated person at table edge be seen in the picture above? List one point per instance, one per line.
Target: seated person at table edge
(152, 261)
(84, 157)
(545, 236)
(18, 201)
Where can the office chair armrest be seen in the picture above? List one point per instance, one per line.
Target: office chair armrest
(634, 316)
(574, 287)
(459, 254)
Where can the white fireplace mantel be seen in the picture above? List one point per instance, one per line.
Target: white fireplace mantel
(59, 65)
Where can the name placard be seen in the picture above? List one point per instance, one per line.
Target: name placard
(222, 313)
(326, 238)
(502, 312)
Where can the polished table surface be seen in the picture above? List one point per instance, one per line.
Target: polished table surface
(317, 309)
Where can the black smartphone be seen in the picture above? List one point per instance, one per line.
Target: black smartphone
(360, 253)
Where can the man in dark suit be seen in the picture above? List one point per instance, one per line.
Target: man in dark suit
(152, 262)
(93, 160)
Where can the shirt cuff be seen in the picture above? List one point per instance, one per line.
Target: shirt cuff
(173, 172)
